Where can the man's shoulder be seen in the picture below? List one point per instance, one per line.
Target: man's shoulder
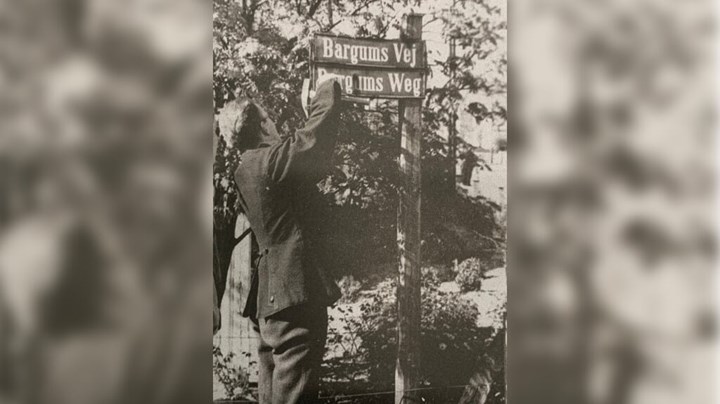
(252, 159)
(254, 162)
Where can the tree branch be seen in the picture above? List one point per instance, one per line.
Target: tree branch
(314, 8)
(365, 5)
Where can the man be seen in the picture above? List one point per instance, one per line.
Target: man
(290, 287)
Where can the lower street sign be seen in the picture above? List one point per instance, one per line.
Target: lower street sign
(396, 83)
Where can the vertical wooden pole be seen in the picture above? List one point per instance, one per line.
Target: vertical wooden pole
(408, 238)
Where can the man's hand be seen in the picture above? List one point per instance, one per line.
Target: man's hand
(308, 95)
(327, 77)
(324, 78)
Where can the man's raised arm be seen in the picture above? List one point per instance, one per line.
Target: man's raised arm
(310, 146)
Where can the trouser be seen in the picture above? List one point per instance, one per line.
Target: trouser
(292, 345)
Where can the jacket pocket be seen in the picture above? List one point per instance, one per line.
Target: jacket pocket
(286, 278)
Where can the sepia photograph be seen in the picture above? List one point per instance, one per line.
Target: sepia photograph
(359, 201)
(327, 183)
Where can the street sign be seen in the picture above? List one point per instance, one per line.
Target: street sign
(371, 68)
(376, 83)
(368, 52)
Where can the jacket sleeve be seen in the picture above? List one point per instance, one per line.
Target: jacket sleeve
(309, 148)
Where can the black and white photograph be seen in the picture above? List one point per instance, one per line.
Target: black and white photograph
(360, 201)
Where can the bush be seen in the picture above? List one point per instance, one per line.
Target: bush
(437, 274)
(350, 289)
(470, 275)
(235, 381)
(453, 346)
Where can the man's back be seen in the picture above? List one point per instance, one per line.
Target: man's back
(277, 193)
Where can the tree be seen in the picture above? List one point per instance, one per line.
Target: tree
(260, 50)
(476, 68)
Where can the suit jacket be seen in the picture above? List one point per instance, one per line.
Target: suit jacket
(278, 191)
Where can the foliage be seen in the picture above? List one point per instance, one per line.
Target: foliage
(470, 275)
(478, 29)
(235, 381)
(260, 51)
(437, 274)
(350, 288)
(453, 346)
(455, 226)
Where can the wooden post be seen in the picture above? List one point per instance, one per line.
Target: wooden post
(408, 238)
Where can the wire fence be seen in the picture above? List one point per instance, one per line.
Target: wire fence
(341, 399)
(344, 369)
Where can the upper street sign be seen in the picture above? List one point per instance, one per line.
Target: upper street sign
(368, 52)
(371, 67)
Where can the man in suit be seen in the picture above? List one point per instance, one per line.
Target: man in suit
(290, 287)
